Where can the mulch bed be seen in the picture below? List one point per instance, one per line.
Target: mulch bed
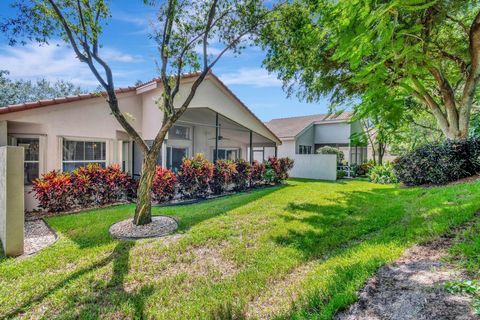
(38, 235)
(159, 227)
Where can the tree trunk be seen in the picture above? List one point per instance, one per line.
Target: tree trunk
(143, 210)
(381, 151)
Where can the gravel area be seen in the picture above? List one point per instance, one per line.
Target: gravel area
(160, 226)
(413, 288)
(37, 236)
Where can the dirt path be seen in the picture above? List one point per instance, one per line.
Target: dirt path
(412, 288)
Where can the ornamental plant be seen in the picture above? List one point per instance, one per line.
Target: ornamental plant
(86, 186)
(257, 176)
(164, 185)
(194, 177)
(54, 191)
(223, 172)
(94, 185)
(280, 168)
(383, 174)
(439, 163)
(241, 178)
(331, 150)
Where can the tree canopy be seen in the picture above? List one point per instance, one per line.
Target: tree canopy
(19, 91)
(428, 50)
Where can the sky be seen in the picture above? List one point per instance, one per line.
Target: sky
(132, 55)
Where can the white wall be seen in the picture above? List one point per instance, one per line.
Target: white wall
(332, 133)
(315, 166)
(286, 149)
(306, 138)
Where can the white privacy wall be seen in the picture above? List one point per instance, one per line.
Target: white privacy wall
(315, 166)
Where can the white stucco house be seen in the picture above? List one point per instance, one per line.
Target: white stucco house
(64, 133)
(306, 134)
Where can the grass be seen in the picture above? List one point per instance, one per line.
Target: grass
(465, 252)
(299, 251)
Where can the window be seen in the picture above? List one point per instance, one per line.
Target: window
(227, 154)
(179, 132)
(80, 153)
(304, 149)
(32, 158)
(175, 157)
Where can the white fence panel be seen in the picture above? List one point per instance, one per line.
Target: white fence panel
(315, 166)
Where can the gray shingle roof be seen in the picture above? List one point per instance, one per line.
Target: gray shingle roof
(290, 127)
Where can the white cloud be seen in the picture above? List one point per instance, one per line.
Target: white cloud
(256, 77)
(55, 62)
(114, 55)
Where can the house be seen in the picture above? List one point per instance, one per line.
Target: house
(306, 134)
(65, 133)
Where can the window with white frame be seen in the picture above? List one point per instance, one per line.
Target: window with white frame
(304, 149)
(31, 164)
(79, 153)
(179, 133)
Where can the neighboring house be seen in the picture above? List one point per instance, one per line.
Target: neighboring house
(307, 134)
(65, 133)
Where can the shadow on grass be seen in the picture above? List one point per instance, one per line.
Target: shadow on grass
(91, 228)
(119, 258)
(191, 214)
(360, 219)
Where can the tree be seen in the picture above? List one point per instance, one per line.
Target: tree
(183, 27)
(20, 91)
(382, 115)
(426, 49)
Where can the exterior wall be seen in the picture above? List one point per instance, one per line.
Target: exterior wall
(315, 166)
(332, 133)
(81, 119)
(11, 200)
(306, 138)
(90, 119)
(286, 149)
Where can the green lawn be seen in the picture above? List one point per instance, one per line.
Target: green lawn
(314, 243)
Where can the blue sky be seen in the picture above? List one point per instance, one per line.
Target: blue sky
(132, 55)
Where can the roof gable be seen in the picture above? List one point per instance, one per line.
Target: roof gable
(291, 127)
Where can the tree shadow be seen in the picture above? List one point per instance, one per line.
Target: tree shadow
(384, 216)
(189, 215)
(119, 257)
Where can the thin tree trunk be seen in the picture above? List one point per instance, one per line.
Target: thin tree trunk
(380, 153)
(143, 208)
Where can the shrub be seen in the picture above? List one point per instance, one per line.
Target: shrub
(332, 150)
(85, 187)
(365, 167)
(280, 167)
(257, 177)
(241, 178)
(341, 174)
(223, 172)
(194, 177)
(94, 185)
(439, 163)
(54, 191)
(382, 174)
(164, 185)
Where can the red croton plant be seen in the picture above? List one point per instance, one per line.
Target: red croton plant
(194, 177)
(164, 185)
